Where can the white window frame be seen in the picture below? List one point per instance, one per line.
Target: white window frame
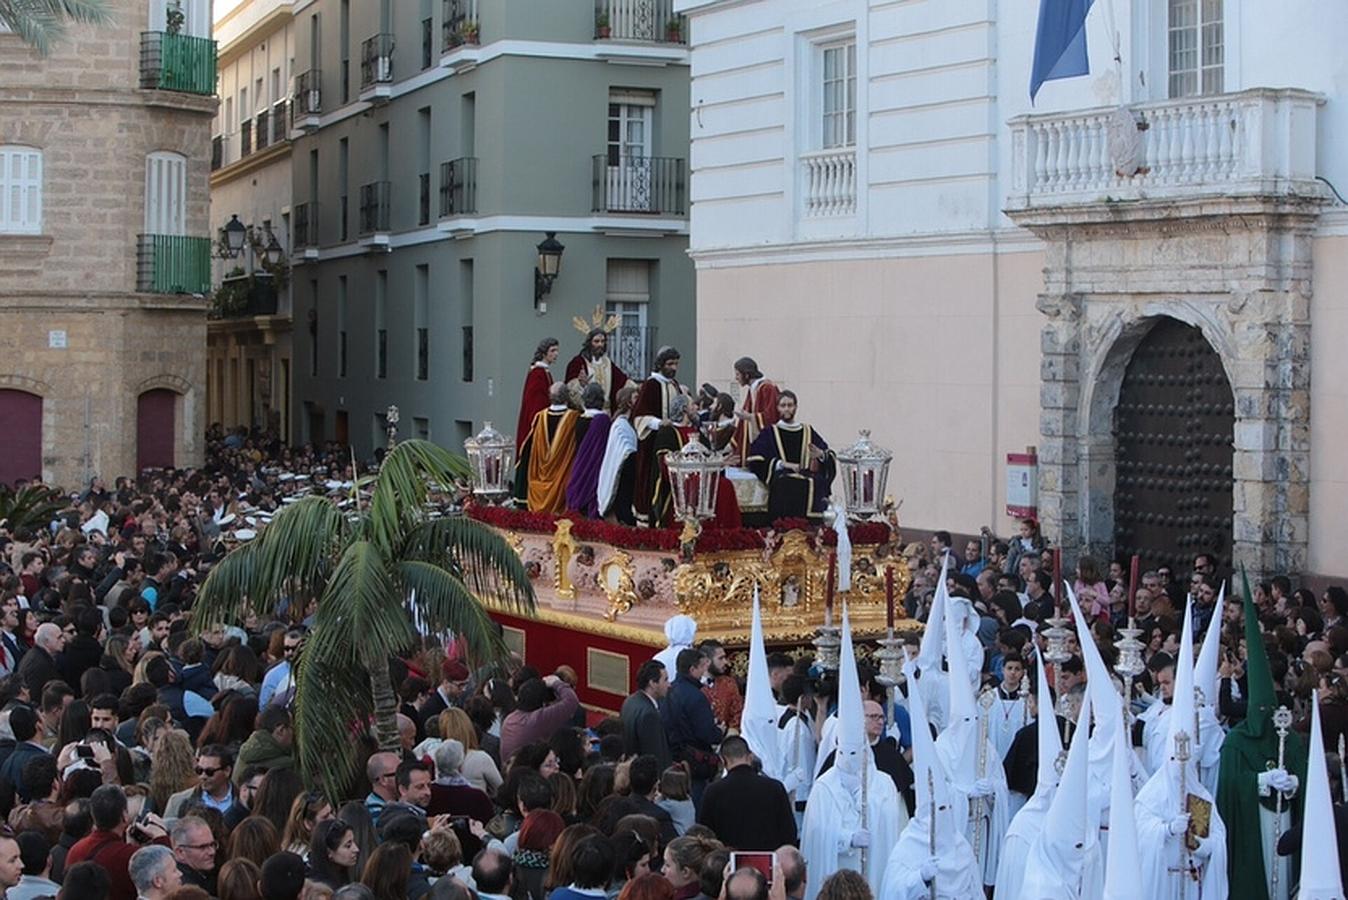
(837, 126)
(166, 193)
(20, 189)
(196, 17)
(1205, 77)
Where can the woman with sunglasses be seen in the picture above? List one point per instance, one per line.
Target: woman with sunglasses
(333, 853)
(306, 813)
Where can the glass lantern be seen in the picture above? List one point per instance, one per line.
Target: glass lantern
(491, 455)
(864, 468)
(694, 477)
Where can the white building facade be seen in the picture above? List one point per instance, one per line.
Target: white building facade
(883, 221)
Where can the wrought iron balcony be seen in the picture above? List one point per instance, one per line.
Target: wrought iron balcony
(459, 24)
(173, 264)
(262, 128)
(304, 225)
(245, 138)
(376, 61)
(217, 151)
(458, 187)
(640, 184)
(1256, 142)
(652, 21)
(374, 207)
(308, 98)
(244, 296)
(632, 347)
(177, 62)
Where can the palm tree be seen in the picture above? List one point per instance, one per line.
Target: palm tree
(369, 565)
(41, 23)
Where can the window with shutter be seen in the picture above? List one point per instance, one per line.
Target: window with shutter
(20, 190)
(165, 193)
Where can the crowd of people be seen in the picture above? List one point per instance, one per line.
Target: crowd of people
(140, 759)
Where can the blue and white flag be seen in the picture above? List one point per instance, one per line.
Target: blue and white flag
(1059, 42)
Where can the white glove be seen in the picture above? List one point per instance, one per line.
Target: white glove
(1276, 780)
(1178, 825)
(1204, 849)
(983, 787)
(861, 838)
(928, 870)
(794, 779)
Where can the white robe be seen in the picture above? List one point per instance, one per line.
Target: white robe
(622, 442)
(1160, 853)
(954, 860)
(994, 813)
(833, 813)
(1155, 721)
(798, 752)
(1015, 850)
(1005, 719)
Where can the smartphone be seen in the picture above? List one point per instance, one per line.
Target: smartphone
(754, 859)
(84, 751)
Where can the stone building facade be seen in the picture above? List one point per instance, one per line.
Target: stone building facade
(103, 246)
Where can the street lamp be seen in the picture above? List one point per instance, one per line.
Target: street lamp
(236, 236)
(272, 252)
(549, 265)
(235, 232)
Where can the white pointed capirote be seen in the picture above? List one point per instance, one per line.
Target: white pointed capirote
(1205, 668)
(1058, 855)
(1182, 707)
(758, 723)
(853, 749)
(933, 637)
(1108, 718)
(1320, 874)
(1122, 866)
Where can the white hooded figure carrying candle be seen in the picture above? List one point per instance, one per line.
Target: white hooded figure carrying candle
(1056, 866)
(933, 858)
(854, 814)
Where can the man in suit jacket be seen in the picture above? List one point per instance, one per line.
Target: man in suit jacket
(38, 665)
(643, 729)
(747, 810)
(644, 778)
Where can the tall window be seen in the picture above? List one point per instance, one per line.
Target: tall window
(840, 95)
(165, 193)
(380, 326)
(20, 190)
(422, 316)
(628, 296)
(341, 326)
(1197, 48)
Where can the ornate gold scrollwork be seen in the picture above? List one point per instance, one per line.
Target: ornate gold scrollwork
(563, 548)
(617, 578)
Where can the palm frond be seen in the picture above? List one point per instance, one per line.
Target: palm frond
(41, 23)
(445, 603)
(399, 497)
(297, 550)
(478, 555)
(364, 603)
(227, 590)
(333, 703)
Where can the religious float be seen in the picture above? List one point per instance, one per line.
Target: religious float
(605, 591)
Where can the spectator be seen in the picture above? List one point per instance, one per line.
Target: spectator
(675, 799)
(689, 724)
(746, 883)
(38, 665)
(78, 823)
(35, 854)
(333, 853)
(282, 877)
(643, 776)
(647, 887)
(845, 884)
(747, 810)
(85, 880)
(538, 833)
(450, 692)
(478, 767)
(238, 880)
(643, 729)
(494, 875)
(386, 873)
(42, 782)
(591, 867)
(413, 782)
(214, 789)
(536, 717)
(683, 863)
(107, 844)
(23, 722)
(194, 849)
(452, 793)
(382, 771)
(153, 872)
(278, 684)
(306, 812)
(795, 873)
(256, 839)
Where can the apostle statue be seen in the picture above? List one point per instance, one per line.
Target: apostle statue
(544, 465)
(671, 438)
(536, 385)
(592, 437)
(593, 365)
(758, 406)
(795, 463)
(615, 490)
(650, 412)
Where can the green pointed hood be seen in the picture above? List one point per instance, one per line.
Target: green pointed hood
(1261, 695)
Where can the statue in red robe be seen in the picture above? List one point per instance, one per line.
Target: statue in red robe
(758, 408)
(593, 365)
(536, 385)
(649, 414)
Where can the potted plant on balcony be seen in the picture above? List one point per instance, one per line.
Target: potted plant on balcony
(174, 18)
(674, 31)
(468, 31)
(602, 27)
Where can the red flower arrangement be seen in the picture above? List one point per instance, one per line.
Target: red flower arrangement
(712, 540)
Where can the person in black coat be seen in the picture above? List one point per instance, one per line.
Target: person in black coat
(38, 665)
(84, 651)
(643, 777)
(643, 729)
(747, 810)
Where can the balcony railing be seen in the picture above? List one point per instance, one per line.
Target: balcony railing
(830, 182)
(244, 296)
(640, 184)
(458, 24)
(262, 128)
(458, 187)
(632, 347)
(217, 151)
(177, 62)
(308, 94)
(280, 120)
(374, 207)
(376, 61)
(1260, 141)
(173, 264)
(245, 137)
(305, 225)
(639, 20)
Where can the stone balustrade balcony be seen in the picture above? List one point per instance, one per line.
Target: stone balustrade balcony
(1254, 143)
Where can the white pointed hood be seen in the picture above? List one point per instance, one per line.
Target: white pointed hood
(933, 637)
(1108, 713)
(926, 762)
(1050, 742)
(1182, 707)
(853, 751)
(1205, 669)
(1320, 874)
(1124, 862)
(959, 741)
(1058, 856)
(758, 723)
